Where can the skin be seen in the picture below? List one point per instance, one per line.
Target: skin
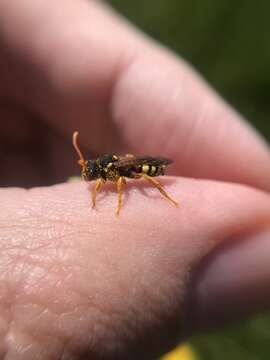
(79, 283)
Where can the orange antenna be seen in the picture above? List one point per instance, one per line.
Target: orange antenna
(76, 146)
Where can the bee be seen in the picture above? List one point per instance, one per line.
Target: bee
(117, 168)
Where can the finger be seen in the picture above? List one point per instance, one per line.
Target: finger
(78, 282)
(232, 282)
(81, 67)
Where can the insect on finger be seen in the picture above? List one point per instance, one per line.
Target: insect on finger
(117, 168)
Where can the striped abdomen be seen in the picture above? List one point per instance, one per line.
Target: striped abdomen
(152, 170)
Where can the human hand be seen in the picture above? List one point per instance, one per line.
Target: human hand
(81, 283)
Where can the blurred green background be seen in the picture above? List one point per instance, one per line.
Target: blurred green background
(227, 41)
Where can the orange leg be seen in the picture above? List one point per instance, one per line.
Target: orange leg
(97, 187)
(120, 182)
(159, 187)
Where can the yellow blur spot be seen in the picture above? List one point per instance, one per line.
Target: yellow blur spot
(183, 352)
(74, 179)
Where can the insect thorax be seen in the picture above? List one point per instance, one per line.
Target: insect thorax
(107, 167)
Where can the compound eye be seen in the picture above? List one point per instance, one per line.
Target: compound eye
(93, 169)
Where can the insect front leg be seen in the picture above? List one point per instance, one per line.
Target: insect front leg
(97, 187)
(120, 182)
(159, 187)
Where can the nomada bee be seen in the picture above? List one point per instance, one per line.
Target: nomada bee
(116, 168)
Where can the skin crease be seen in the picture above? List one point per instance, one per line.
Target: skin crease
(81, 283)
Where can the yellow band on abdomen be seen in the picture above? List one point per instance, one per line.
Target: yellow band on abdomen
(145, 168)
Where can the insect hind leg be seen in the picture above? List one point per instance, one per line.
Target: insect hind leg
(159, 187)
